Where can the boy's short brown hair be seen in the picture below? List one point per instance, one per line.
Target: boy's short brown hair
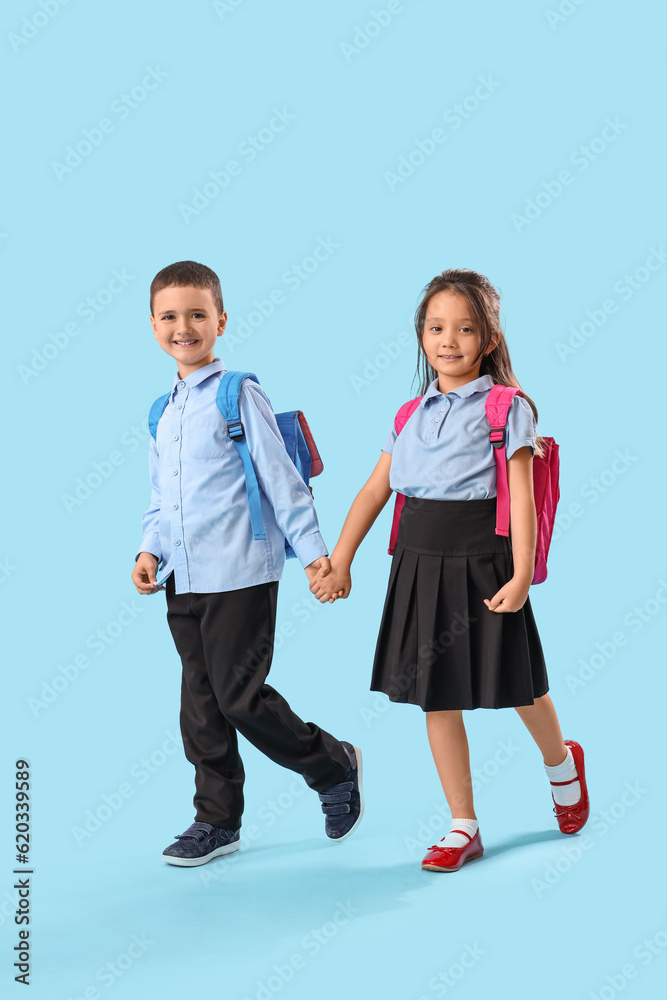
(188, 272)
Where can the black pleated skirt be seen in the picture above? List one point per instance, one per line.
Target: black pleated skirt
(439, 646)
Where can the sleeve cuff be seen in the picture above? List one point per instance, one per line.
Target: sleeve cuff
(151, 545)
(309, 547)
(522, 443)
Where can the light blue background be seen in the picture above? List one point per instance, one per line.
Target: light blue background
(221, 931)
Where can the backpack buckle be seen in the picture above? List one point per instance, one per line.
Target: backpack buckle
(498, 437)
(236, 430)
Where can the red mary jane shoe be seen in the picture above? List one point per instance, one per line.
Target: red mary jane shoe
(572, 818)
(450, 859)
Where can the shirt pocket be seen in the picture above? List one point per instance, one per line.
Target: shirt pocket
(207, 439)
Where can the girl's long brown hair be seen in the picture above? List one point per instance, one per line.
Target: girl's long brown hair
(484, 300)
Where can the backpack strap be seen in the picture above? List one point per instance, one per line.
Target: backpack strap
(400, 420)
(497, 407)
(227, 399)
(405, 412)
(156, 411)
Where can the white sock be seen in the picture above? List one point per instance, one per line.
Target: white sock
(452, 839)
(564, 795)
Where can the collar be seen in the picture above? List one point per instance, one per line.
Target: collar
(480, 384)
(197, 376)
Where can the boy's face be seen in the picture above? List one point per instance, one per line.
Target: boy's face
(186, 325)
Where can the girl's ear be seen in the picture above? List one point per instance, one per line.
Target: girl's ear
(493, 343)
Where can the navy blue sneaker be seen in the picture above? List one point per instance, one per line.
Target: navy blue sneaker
(200, 843)
(343, 804)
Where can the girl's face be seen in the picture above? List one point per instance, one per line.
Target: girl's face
(451, 340)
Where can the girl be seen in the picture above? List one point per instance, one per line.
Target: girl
(457, 629)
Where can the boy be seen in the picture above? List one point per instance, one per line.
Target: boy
(221, 584)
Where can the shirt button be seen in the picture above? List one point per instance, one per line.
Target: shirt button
(175, 437)
(174, 472)
(175, 506)
(178, 541)
(436, 419)
(180, 406)
(441, 408)
(182, 385)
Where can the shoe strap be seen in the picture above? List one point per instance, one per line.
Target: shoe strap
(439, 847)
(571, 781)
(196, 831)
(336, 808)
(338, 793)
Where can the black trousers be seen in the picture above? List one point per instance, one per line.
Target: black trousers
(225, 641)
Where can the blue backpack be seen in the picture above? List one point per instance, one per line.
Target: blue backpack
(294, 430)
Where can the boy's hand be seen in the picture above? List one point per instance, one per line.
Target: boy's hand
(144, 574)
(319, 565)
(319, 570)
(332, 584)
(511, 597)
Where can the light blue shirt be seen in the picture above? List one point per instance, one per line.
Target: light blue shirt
(198, 521)
(444, 452)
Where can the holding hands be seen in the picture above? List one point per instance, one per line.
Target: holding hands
(331, 581)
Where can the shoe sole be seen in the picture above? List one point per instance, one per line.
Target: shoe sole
(193, 862)
(440, 868)
(338, 840)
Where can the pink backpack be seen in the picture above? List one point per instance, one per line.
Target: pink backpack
(545, 475)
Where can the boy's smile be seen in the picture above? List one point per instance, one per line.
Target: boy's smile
(186, 325)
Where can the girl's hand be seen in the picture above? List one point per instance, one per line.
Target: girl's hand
(332, 583)
(511, 597)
